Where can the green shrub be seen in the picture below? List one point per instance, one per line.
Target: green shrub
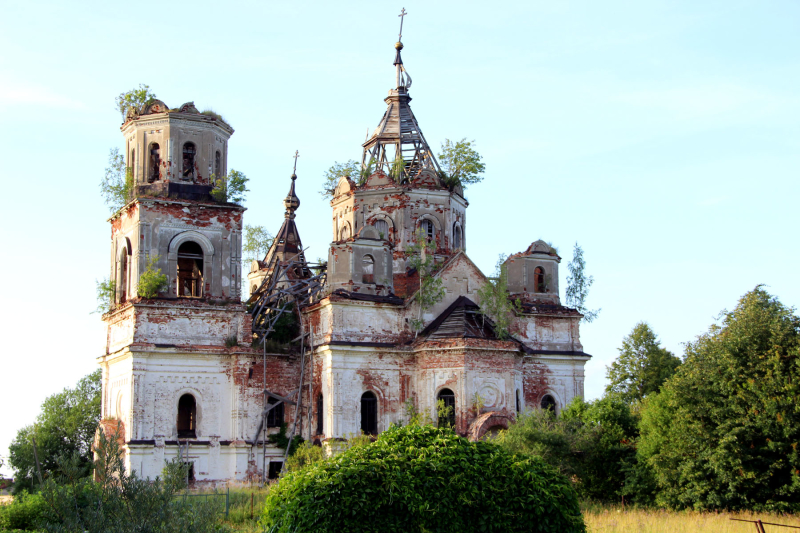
(305, 454)
(24, 513)
(152, 281)
(422, 478)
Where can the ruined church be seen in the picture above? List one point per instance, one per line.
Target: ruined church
(220, 379)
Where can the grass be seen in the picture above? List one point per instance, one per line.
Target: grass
(614, 519)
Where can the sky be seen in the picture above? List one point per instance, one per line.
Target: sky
(663, 137)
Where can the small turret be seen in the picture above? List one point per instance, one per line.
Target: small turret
(533, 274)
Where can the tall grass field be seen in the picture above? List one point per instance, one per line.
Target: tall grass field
(613, 520)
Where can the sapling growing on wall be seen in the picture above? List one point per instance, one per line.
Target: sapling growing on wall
(230, 188)
(117, 185)
(152, 281)
(495, 302)
(578, 284)
(461, 163)
(106, 294)
(332, 176)
(135, 98)
(431, 289)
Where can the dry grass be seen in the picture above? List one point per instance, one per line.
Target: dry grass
(613, 520)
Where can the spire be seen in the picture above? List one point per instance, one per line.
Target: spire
(292, 202)
(397, 146)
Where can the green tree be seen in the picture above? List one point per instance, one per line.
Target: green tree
(230, 188)
(257, 241)
(461, 163)
(495, 302)
(349, 168)
(106, 295)
(642, 366)
(422, 478)
(135, 98)
(578, 284)
(431, 288)
(117, 185)
(723, 432)
(65, 425)
(151, 281)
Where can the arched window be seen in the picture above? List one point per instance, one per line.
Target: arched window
(456, 237)
(154, 171)
(217, 164)
(187, 417)
(253, 289)
(538, 280)
(320, 413)
(369, 413)
(190, 270)
(549, 403)
(383, 228)
(189, 152)
(345, 233)
(428, 230)
(132, 163)
(275, 415)
(367, 269)
(123, 277)
(519, 403)
(446, 407)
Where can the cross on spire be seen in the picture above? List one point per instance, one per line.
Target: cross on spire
(401, 15)
(296, 155)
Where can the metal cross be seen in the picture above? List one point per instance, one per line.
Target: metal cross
(401, 15)
(296, 155)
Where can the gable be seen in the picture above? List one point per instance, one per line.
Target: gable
(460, 277)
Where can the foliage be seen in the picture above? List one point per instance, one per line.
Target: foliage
(135, 98)
(257, 241)
(304, 454)
(106, 295)
(24, 513)
(431, 288)
(332, 176)
(578, 284)
(494, 300)
(211, 113)
(65, 425)
(642, 366)
(461, 163)
(280, 440)
(723, 431)
(120, 502)
(152, 281)
(397, 168)
(117, 185)
(590, 443)
(232, 187)
(420, 478)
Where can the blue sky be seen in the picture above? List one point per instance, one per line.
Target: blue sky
(664, 137)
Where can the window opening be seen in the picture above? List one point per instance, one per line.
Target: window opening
(367, 269)
(275, 415)
(155, 163)
(187, 417)
(383, 228)
(549, 403)
(538, 279)
(345, 234)
(190, 474)
(456, 237)
(447, 409)
(132, 163)
(320, 406)
(190, 270)
(189, 153)
(519, 404)
(369, 413)
(123, 277)
(217, 164)
(275, 468)
(427, 229)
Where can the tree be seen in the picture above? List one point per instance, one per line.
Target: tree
(117, 185)
(723, 432)
(257, 241)
(349, 168)
(578, 284)
(232, 187)
(495, 302)
(135, 98)
(431, 288)
(642, 366)
(461, 163)
(65, 425)
(422, 478)
(151, 281)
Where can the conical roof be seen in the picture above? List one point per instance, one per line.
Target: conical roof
(398, 135)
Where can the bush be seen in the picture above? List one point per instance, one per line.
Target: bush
(24, 513)
(152, 281)
(422, 478)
